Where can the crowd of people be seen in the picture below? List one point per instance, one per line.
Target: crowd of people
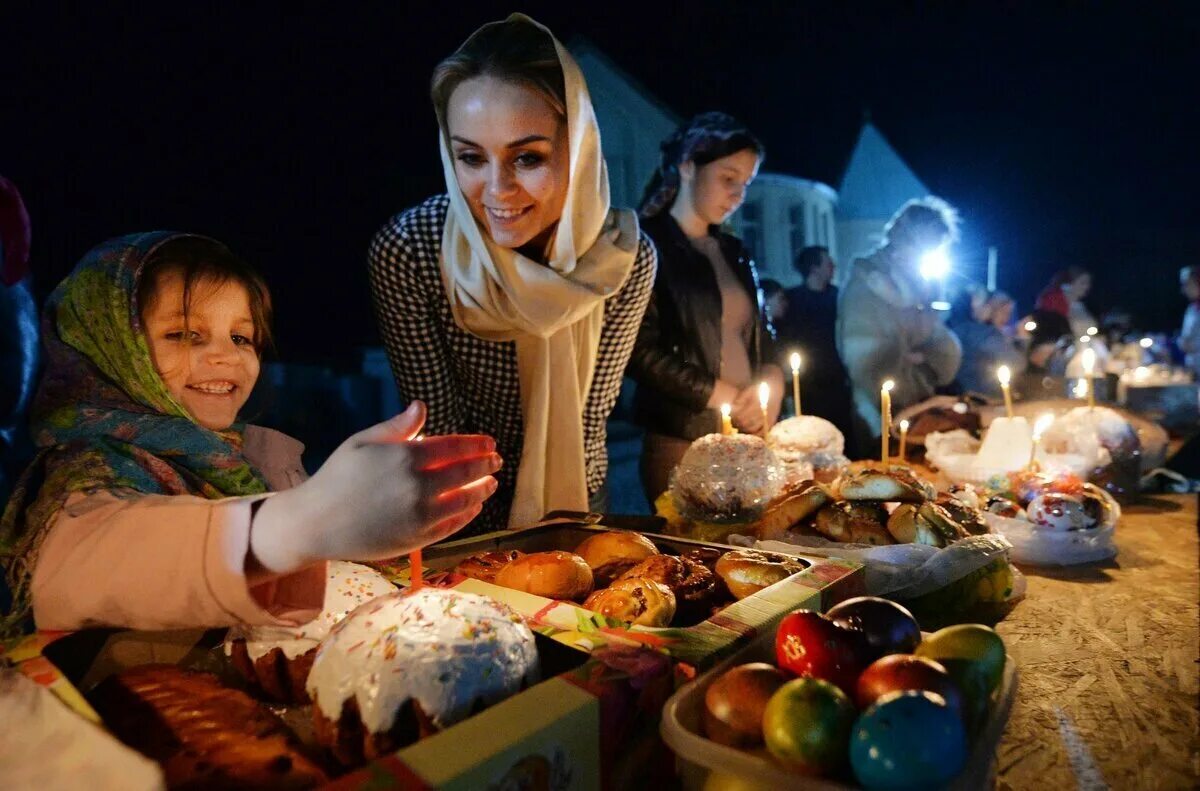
(511, 307)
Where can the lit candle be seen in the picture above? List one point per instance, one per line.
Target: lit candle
(726, 421)
(1030, 326)
(796, 381)
(903, 438)
(1005, 376)
(1146, 343)
(416, 571)
(885, 418)
(1039, 428)
(1089, 370)
(1093, 331)
(764, 396)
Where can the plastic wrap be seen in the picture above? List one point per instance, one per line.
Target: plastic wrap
(1041, 547)
(726, 479)
(954, 453)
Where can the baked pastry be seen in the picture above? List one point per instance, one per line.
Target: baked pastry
(854, 523)
(964, 515)
(411, 664)
(726, 478)
(203, 735)
(277, 658)
(635, 599)
(485, 565)
(612, 553)
(791, 508)
(927, 523)
(705, 556)
(808, 441)
(897, 484)
(695, 587)
(747, 571)
(554, 574)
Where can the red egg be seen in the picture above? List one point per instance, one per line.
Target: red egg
(734, 703)
(902, 672)
(888, 627)
(809, 644)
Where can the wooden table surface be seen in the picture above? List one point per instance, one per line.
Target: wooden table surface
(1109, 663)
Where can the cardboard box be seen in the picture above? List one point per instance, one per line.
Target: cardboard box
(824, 583)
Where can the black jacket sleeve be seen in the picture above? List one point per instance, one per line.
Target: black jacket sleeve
(663, 369)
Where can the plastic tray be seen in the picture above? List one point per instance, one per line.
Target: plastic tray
(698, 756)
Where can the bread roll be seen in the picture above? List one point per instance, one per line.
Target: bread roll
(636, 600)
(486, 565)
(612, 553)
(747, 571)
(555, 575)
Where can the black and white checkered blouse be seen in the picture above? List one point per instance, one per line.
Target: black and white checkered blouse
(469, 384)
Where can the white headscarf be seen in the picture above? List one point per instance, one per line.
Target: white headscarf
(553, 311)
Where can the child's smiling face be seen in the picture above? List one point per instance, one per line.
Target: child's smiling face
(208, 363)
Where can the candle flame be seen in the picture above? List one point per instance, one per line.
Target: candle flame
(904, 425)
(1092, 331)
(725, 410)
(1081, 388)
(1146, 343)
(1004, 375)
(1085, 339)
(1030, 326)
(888, 385)
(795, 362)
(1043, 423)
(1089, 361)
(764, 394)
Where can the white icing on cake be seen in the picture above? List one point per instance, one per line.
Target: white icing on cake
(442, 648)
(1112, 429)
(347, 586)
(805, 435)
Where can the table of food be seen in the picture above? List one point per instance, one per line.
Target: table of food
(992, 602)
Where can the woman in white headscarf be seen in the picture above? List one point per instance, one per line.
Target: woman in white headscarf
(511, 304)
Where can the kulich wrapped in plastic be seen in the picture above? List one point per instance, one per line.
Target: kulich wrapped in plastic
(1118, 451)
(808, 446)
(726, 478)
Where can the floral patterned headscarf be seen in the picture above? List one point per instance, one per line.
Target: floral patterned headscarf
(103, 418)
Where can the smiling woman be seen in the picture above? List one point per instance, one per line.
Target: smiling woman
(511, 304)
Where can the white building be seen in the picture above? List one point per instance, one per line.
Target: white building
(781, 216)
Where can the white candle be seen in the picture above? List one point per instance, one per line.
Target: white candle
(764, 396)
(796, 381)
(885, 418)
(726, 421)
(1039, 428)
(1005, 376)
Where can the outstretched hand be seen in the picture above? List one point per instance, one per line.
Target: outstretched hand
(385, 491)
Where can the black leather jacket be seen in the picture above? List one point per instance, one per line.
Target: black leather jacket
(677, 358)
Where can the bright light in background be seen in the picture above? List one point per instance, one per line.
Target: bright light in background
(1146, 343)
(1085, 339)
(940, 304)
(935, 264)
(1092, 331)
(1030, 326)
(1081, 389)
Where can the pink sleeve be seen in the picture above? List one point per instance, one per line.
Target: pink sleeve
(161, 562)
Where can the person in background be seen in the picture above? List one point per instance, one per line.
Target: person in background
(146, 506)
(1189, 333)
(886, 328)
(705, 339)
(811, 330)
(980, 325)
(18, 336)
(1065, 294)
(775, 302)
(510, 303)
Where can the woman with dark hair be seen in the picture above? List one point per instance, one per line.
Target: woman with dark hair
(1064, 296)
(510, 305)
(704, 339)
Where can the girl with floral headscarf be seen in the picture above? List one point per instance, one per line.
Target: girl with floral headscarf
(148, 503)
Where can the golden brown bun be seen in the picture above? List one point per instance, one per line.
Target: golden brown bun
(895, 485)
(555, 575)
(204, 735)
(636, 600)
(696, 588)
(747, 571)
(485, 565)
(854, 523)
(790, 508)
(282, 679)
(612, 553)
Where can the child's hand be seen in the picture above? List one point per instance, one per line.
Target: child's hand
(382, 493)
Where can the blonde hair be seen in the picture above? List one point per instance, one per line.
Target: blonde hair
(515, 50)
(927, 212)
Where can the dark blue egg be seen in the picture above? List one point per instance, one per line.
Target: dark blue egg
(908, 740)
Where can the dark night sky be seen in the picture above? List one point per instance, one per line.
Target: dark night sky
(1065, 134)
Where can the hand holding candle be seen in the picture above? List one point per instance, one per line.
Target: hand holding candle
(885, 418)
(796, 382)
(1005, 376)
